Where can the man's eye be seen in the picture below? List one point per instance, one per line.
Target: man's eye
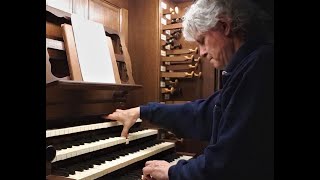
(201, 41)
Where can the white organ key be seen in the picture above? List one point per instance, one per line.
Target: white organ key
(48, 133)
(110, 166)
(180, 158)
(86, 148)
(141, 134)
(101, 144)
(79, 175)
(76, 129)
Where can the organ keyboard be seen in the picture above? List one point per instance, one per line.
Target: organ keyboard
(118, 162)
(76, 129)
(96, 151)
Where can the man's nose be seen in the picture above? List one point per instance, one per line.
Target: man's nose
(203, 51)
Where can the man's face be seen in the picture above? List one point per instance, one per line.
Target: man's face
(216, 46)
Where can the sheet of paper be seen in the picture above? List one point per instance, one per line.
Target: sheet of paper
(93, 52)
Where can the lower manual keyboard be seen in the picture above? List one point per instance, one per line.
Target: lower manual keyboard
(110, 166)
(135, 173)
(101, 144)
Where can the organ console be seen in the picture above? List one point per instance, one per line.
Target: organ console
(95, 150)
(80, 144)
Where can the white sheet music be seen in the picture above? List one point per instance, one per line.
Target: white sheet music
(93, 52)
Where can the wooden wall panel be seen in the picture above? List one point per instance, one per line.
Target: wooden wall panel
(119, 3)
(105, 13)
(77, 110)
(144, 48)
(60, 96)
(112, 14)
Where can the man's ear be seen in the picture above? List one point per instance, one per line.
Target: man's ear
(226, 27)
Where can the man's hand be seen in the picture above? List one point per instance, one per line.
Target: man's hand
(126, 117)
(156, 170)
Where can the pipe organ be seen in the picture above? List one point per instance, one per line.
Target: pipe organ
(80, 144)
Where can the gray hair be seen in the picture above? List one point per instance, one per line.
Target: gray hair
(204, 15)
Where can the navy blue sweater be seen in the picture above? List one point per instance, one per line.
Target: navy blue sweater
(237, 120)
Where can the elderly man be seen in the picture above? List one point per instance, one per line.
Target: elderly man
(238, 119)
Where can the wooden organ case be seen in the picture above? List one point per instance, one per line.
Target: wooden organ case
(79, 143)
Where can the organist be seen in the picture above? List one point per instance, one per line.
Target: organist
(238, 119)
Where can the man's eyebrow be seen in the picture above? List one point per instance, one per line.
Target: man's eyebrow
(200, 38)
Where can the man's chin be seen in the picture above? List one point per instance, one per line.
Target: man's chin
(216, 65)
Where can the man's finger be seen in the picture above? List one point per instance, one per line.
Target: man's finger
(113, 116)
(104, 116)
(150, 162)
(147, 177)
(147, 170)
(124, 132)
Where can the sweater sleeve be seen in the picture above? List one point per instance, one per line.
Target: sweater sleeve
(189, 120)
